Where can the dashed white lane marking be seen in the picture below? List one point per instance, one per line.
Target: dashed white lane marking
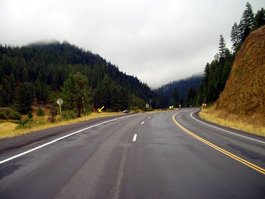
(60, 138)
(134, 137)
(142, 122)
(149, 117)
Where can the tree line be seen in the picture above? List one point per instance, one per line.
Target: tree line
(217, 71)
(182, 92)
(38, 74)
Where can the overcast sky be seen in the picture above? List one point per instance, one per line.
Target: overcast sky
(156, 40)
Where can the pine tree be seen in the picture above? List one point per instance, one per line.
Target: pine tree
(191, 96)
(175, 97)
(41, 92)
(7, 91)
(76, 93)
(235, 37)
(259, 19)
(222, 46)
(246, 23)
(25, 97)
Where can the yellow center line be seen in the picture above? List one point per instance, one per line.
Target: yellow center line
(231, 155)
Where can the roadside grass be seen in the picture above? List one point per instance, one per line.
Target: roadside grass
(250, 124)
(10, 129)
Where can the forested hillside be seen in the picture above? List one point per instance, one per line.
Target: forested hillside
(244, 92)
(181, 92)
(41, 73)
(217, 71)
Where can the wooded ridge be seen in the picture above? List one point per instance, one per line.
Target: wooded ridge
(41, 73)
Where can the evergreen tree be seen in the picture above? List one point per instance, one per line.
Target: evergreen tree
(226, 68)
(175, 97)
(215, 75)
(222, 46)
(119, 99)
(135, 102)
(191, 96)
(246, 23)
(41, 92)
(235, 37)
(25, 97)
(259, 19)
(76, 93)
(7, 91)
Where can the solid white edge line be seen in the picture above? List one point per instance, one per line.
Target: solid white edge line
(227, 131)
(134, 137)
(58, 139)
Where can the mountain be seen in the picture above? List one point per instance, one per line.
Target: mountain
(178, 92)
(244, 92)
(40, 73)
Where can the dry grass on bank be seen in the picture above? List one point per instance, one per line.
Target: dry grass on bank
(251, 124)
(9, 129)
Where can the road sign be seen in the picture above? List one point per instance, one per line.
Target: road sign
(100, 109)
(59, 101)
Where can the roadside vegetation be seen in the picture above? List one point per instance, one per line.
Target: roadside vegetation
(253, 125)
(39, 119)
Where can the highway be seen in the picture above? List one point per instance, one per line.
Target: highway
(142, 156)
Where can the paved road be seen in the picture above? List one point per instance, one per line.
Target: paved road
(138, 156)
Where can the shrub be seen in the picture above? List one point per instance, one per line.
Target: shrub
(40, 112)
(14, 115)
(3, 115)
(30, 115)
(69, 114)
(8, 110)
(52, 119)
(25, 123)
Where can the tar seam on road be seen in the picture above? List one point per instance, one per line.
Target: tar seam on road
(60, 138)
(231, 155)
(191, 115)
(134, 137)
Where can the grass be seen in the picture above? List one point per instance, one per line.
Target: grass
(251, 124)
(10, 129)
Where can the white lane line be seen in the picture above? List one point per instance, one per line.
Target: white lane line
(227, 131)
(60, 138)
(142, 122)
(149, 117)
(134, 137)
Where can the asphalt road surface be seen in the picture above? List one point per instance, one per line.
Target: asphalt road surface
(155, 155)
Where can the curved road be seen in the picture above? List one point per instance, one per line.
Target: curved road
(156, 155)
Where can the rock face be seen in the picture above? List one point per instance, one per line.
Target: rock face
(244, 92)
